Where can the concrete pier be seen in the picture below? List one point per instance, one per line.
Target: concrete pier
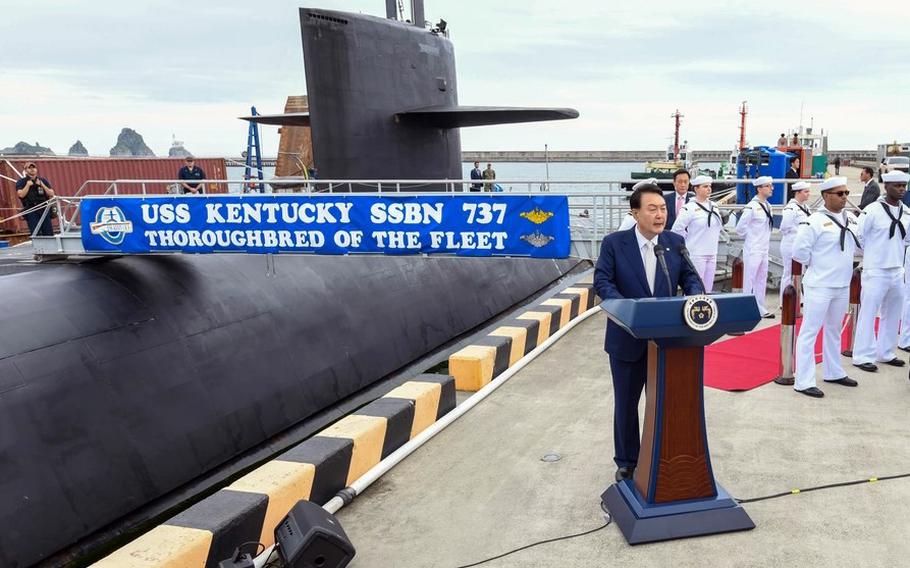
(480, 488)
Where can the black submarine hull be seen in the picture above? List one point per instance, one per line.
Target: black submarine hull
(123, 379)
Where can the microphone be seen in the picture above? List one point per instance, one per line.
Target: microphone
(659, 251)
(685, 254)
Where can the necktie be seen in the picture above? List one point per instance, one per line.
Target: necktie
(679, 204)
(650, 264)
(843, 232)
(805, 210)
(895, 222)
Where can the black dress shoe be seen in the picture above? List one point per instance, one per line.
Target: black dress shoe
(814, 392)
(846, 381)
(868, 367)
(907, 349)
(769, 316)
(624, 472)
(895, 362)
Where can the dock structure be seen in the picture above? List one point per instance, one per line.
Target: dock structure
(481, 487)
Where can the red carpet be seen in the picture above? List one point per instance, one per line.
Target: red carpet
(745, 362)
(749, 361)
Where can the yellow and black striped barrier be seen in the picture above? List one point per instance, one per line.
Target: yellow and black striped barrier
(249, 509)
(486, 358)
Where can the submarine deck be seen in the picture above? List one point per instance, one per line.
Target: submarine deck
(479, 488)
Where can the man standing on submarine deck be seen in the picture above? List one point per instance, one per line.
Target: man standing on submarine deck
(628, 268)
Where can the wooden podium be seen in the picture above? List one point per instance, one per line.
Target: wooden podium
(673, 493)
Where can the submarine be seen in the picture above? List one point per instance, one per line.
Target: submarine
(131, 385)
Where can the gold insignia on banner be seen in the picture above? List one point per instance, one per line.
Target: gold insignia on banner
(536, 215)
(537, 239)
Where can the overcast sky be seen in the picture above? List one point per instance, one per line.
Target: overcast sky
(84, 70)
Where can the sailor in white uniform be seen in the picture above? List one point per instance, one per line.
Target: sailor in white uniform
(794, 213)
(884, 232)
(629, 221)
(755, 224)
(825, 244)
(903, 343)
(700, 223)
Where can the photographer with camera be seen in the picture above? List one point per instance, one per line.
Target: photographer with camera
(34, 191)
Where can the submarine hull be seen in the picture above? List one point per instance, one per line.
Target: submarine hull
(123, 379)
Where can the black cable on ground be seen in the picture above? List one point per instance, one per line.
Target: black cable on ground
(741, 501)
(607, 517)
(820, 487)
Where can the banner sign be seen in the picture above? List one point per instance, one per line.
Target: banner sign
(508, 225)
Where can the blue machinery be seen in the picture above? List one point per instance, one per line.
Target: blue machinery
(762, 161)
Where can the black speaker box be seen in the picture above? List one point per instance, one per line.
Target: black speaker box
(311, 537)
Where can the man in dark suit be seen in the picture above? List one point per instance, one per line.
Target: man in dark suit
(628, 268)
(871, 191)
(678, 197)
(792, 173)
(476, 174)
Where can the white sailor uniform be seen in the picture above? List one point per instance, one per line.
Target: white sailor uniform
(700, 225)
(755, 224)
(884, 232)
(825, 244)
(794, 214)
(628, 221)
(904, 341)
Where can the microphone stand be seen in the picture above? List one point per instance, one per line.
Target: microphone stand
(685, 254)
(659, 251)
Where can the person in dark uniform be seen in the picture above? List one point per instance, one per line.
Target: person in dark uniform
(680, 195)
(871, 190)
(34, 190)
(792, 173)
(476, 173)
(191, 172)
(628, 268)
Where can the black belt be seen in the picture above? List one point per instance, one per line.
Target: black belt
(895, 223)
(843, 233)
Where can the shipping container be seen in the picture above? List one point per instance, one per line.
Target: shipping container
(70, 175)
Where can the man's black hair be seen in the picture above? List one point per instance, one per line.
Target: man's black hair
(869, 171)
(680, 172)
(635, 198)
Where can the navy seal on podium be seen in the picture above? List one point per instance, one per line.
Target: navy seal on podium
(642, 262)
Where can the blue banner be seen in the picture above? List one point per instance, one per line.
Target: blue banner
(506, 225)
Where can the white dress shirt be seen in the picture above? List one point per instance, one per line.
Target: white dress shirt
(794, 214)
(880, 250)
(648, 257)
(692, 223)
(755, 227)
(817, 247)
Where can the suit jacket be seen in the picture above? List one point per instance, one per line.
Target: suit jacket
(476, 174)
(670, 198)
(620, 273)
(870, 194)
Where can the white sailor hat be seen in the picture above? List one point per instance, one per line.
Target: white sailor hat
(763, 180)
(701, 180)
(896, 177)
(651, 181)
(832, 182)
(801, 185)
